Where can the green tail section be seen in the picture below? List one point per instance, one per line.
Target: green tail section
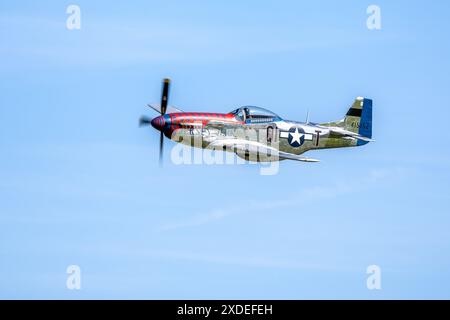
(358, 118)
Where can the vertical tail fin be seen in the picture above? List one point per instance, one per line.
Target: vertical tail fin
(359, 118)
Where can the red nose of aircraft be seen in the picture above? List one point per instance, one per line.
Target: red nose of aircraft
(158, 123)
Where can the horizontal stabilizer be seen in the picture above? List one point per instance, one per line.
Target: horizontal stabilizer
(345, 133)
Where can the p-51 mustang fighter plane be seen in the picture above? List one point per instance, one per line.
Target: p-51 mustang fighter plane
(276, 139)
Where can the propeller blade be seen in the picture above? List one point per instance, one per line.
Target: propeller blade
(161, 148)
(144, 121)
(165, 95)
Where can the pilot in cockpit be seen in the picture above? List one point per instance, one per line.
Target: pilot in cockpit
(247, 114)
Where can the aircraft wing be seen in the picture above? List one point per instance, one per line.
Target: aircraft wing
(291, 156)
(170, 109)
(345, 133)
(243, 145)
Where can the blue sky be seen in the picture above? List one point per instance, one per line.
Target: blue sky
(80, 182)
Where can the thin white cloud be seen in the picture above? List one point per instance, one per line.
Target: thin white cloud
(306, 195)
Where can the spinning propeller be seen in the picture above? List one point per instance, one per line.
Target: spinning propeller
(158, 122)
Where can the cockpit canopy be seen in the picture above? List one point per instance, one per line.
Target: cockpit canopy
(254, 114)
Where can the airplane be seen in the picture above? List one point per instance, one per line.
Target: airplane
(257, 134)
